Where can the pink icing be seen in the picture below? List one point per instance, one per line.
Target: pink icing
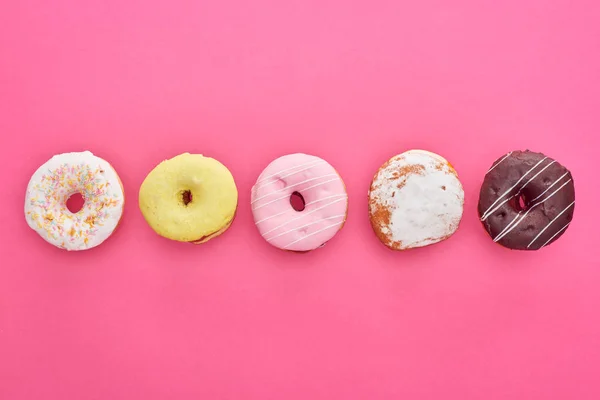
(324, 193)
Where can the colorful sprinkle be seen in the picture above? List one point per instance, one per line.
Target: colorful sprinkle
(49, 190)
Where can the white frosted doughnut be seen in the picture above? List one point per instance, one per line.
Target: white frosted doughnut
(54, 182)
(415, 200)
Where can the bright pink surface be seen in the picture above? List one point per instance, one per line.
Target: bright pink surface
(354, 82)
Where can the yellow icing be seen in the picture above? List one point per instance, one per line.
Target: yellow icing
(213, 191)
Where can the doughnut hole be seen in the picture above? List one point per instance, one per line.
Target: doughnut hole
(186, 197)
(75, 202)
(297, 201)
(519, 203)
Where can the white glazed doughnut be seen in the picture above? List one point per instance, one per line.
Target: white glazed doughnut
(54, 182)
(415, 200)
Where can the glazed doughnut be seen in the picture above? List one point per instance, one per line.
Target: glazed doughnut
(323, 194)
(415, 200)
(189, 198)
(54, 182)
(526, 200)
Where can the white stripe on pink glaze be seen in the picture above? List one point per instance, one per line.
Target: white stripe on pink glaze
(316, 201)
(290, 186)
(285, 170)
(302, 216)
(288, 196)
(304, 226)
(269, 217)
(290, 174)
(327, 198)
(314, 233)
(324, 200)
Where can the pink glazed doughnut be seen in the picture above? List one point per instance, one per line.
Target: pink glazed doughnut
(321, 191)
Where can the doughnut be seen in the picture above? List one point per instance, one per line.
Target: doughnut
(323, 198)
(415, 200)
(526, 200)
(189, 198)
(59, 178)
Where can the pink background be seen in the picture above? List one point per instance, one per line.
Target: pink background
(354, 82)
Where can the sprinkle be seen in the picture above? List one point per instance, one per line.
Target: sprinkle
(55, 186)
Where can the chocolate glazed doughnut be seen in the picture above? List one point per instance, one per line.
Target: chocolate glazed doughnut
(526, 200)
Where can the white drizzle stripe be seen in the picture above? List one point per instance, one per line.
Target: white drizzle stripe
(497, 207)
(301, 216)
(501, 235)
(271, 202)
(304, 226)
(553, 236)
(290, 174)
(535, 176)
(505, 232)
(287, 196)
(498, 163)
(544, 192)
(307, 204)
(271, 216)
(313, 162)
(550, 187)
(295, 184)
(550, 223)
(486, 214)
(314, 233)
(326, 198)
(519, 191)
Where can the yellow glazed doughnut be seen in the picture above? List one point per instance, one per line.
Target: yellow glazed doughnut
(189, 198)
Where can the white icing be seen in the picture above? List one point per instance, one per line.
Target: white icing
(513, 225)
(428, 205)
(257, 186)
(550, 223)
(303, 215)
(310, 164)
(553, 236)
(499, 162)
(59, 178)
(287, 196)
(342, 216)
(487, 212)
(551, 186)
(535, 176)
(337, 224)
(336, 196)
(286, 188)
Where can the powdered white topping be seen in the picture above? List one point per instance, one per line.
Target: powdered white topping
(416, 200)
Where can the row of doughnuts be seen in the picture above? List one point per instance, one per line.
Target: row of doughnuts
(299, 201)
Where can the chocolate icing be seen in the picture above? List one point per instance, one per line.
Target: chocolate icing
(526, 200)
